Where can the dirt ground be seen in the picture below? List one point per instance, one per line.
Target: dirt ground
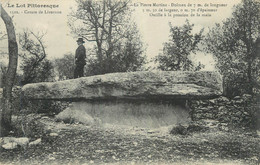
(113, 144)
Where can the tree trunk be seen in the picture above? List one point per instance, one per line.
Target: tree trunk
(6, 113)
(250, 80)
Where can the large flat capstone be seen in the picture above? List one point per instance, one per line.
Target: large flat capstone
(137, 85)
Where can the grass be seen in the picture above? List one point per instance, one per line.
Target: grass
(79, 144)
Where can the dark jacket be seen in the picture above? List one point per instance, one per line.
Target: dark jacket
(80, 55)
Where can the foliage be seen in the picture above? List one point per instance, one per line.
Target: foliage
(23, 106)
(193, 127)
(234, 44)
(117, 44)
(127, 57)
(176, 51)
(43, 72)
(28, 126)
(35, 66)
(65, 66)
(44, 106)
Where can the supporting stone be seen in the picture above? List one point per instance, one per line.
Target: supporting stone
(131, 113)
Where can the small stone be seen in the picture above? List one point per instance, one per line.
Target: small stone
(222, 108)
(254, 158)
(23, 141)
(237, 98)
(10, 146)
(223, 99)
(213, 101)
(8, 139)
(239, 101)
(135, 143)
(258, 133)
(54, 134)
(151, 131)
(36, 142)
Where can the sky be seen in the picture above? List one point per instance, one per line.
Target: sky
(153, 28)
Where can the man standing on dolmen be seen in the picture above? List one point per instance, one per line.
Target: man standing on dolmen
(80, 59)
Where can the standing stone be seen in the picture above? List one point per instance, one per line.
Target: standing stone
(132, 113)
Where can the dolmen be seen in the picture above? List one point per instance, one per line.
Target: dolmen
(145, 98)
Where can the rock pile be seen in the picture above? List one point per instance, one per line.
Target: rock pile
(10, 143)
(239, 111)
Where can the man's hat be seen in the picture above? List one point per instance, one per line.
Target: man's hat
(80, 40)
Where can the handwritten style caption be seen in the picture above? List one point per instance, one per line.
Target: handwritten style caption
(178, 9)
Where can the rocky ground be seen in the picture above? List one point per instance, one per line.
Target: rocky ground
(62, 143)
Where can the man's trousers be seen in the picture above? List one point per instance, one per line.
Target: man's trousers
(79, 71)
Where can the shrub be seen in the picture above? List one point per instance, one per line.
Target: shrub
(179, 130)
(28, 126)
(24, 106)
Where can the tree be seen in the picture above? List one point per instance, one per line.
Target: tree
(35, 66)
(108, 24)
(65, 66)
(128, 56)
(234, 45)
(3, 54)
(3, 71)
(176, 51)
(10, 76)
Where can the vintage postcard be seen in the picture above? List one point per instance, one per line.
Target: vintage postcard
(129, 82)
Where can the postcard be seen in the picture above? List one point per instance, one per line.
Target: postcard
(129, 81)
